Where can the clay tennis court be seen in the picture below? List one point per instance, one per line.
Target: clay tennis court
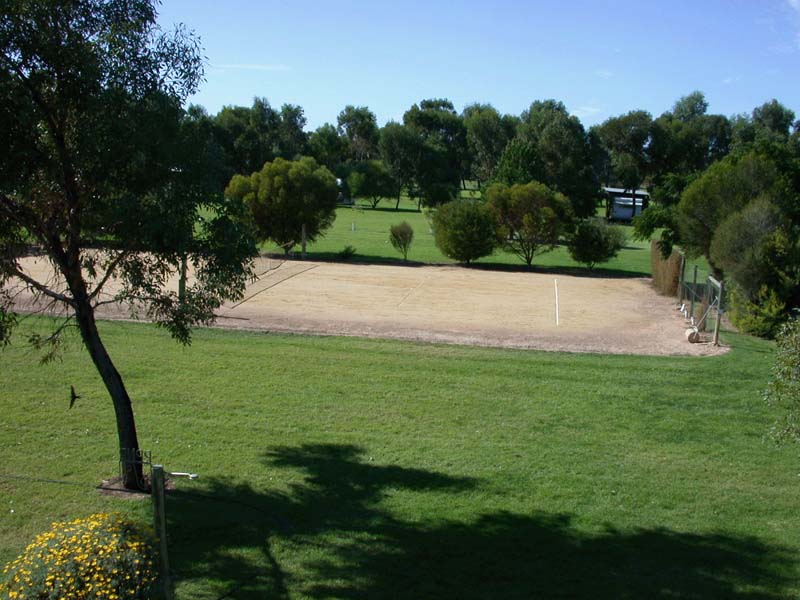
(466, 306)
(454, 304)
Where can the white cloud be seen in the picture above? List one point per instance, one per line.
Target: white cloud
(586, 111)
(251, 67)
(794, 4)
(605, 73)
(730, 80)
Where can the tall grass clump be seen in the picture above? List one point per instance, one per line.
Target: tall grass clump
(666, 271)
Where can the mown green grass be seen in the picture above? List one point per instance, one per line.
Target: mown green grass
(351, 468)
(367, 230)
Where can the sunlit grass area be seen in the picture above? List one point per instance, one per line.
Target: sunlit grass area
(367, 231)
(342, 467)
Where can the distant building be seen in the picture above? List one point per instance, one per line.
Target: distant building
(623, 205)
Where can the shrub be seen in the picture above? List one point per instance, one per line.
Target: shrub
(761, 316)
(666, 271)
(346, 253)
(464, 230)
(437, 194)
(740, 246)
(401, 236)
(531, 217)
(101, 556)
(784, 389)
(595, 241)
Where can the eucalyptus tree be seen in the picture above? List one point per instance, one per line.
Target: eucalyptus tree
(327, 146)
(442, 153)
(402, 150)
(552, 147)
(487, 137)
(627, 138)
(359, 127)
(100, 172)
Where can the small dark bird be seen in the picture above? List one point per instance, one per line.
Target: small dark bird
(72, 396)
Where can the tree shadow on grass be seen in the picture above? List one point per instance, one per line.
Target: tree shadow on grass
(484, 265)
(597, 272)
(342, 543)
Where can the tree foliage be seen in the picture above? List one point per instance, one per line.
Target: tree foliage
(465, 230)
(531, 217)
(327, 147)
(552, 147)
(627, 137)
(519, 162)
(249, 137)
(740, 245)
(783, 392)
(292, 140)
(373, 180)
(441, 149)
(101, 170)
(359, 127)
(285, 197)
(487, 137)
(595, 241)
(725, 188)
(403, 150)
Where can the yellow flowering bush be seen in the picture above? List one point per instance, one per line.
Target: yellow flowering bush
(102, 556)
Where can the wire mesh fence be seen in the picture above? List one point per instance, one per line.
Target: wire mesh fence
(702, 302)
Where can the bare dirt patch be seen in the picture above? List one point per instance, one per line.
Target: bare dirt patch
(458, 305)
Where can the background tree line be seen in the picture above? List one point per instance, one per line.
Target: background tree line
(725, 188)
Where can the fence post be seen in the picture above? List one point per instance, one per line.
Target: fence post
(681, 278)
(160, 526)
(694, 291)
(719, 313)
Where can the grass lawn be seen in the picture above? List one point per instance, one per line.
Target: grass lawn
(367, 230)
(350, 468)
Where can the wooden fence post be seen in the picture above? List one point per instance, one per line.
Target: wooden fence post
(160, 526)
(719, 313)
(694, 291)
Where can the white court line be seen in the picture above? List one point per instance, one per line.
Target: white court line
(287, 278)
(555, 281)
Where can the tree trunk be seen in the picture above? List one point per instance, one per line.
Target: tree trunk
(126, 426)
(397, 206)
(182, 281)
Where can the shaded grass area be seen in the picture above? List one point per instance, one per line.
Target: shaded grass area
(349, 468)
(367, 230)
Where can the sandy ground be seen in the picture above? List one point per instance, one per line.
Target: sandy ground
(453, 305)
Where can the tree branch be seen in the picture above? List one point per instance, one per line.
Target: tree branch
(41, 288)
(109, 273)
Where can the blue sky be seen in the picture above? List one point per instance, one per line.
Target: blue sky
(601, 58)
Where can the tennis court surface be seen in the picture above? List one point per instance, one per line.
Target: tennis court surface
(451, 304)
(466, 306)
